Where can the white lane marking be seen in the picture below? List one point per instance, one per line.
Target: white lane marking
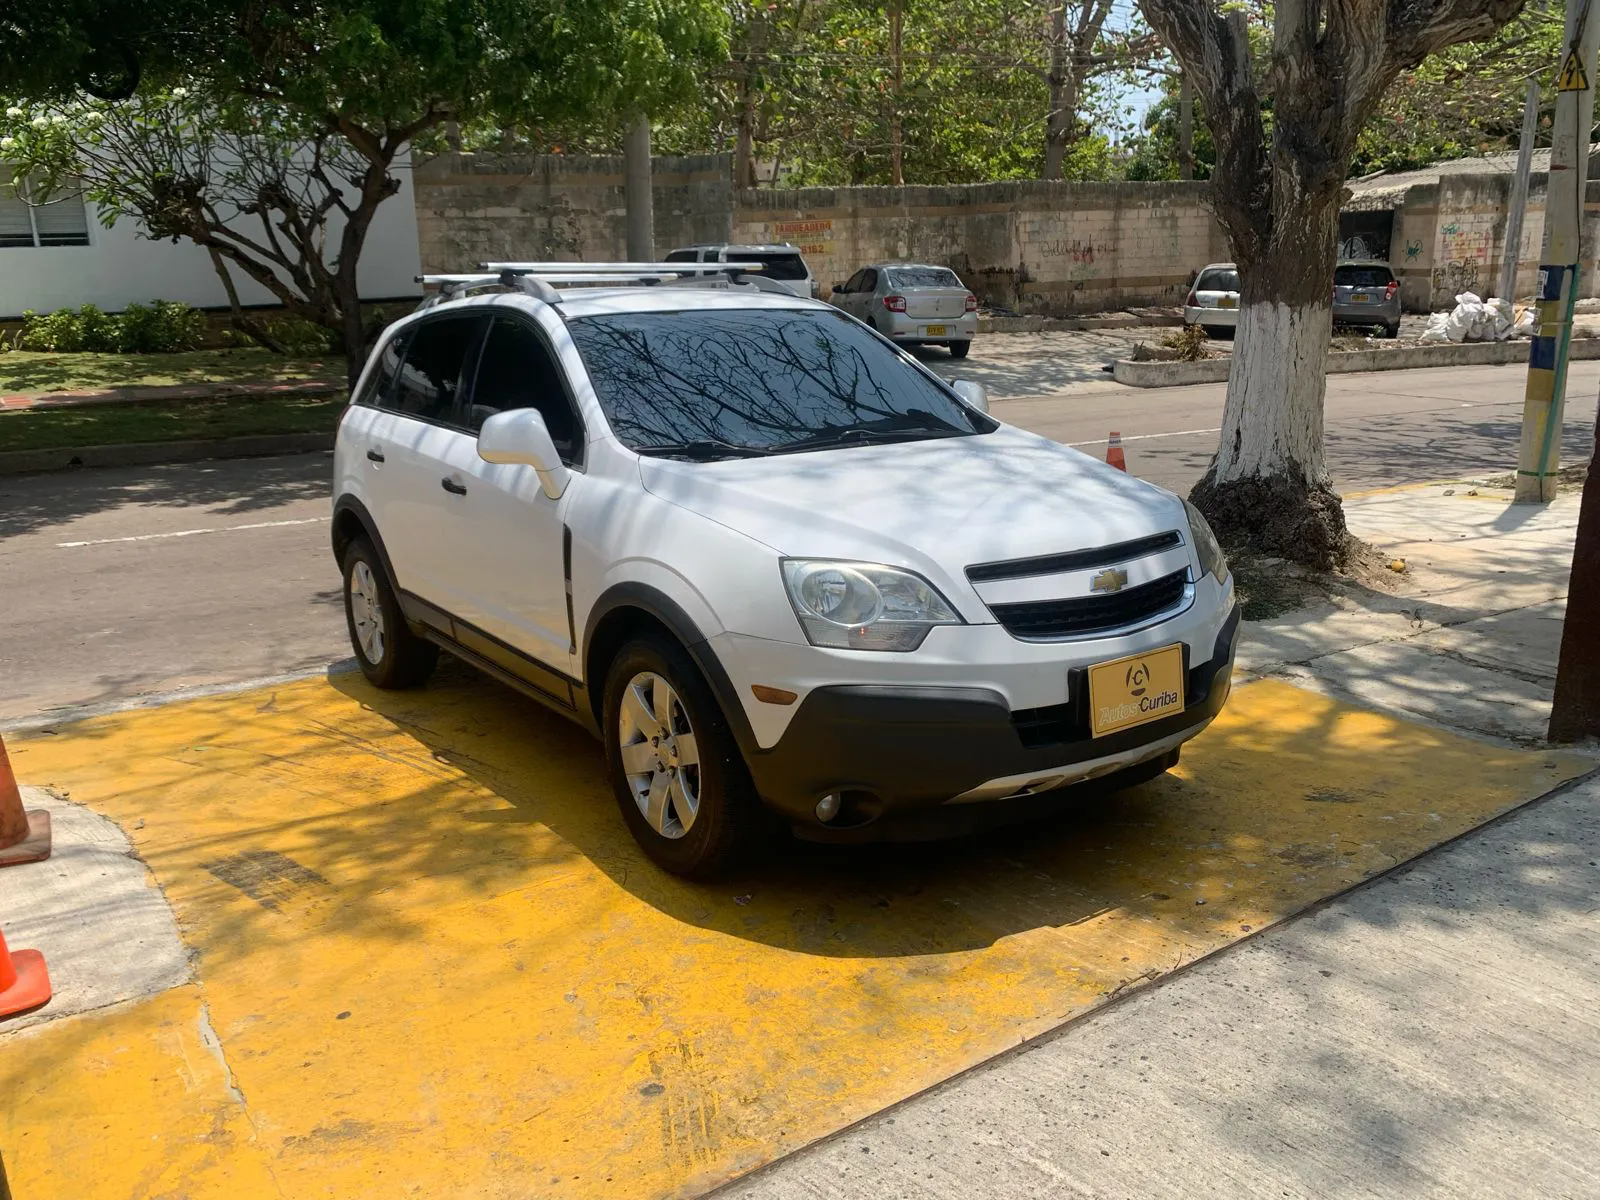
(178, 533)
(1146, 437)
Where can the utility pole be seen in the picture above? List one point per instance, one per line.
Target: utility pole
(1519, 195)
(1538, 459)
(636, 190)
(1185, 129)
(897, 171)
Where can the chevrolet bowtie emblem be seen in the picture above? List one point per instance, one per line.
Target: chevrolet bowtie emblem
(1112, 579)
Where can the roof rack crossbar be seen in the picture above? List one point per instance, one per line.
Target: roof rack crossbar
(622, 268)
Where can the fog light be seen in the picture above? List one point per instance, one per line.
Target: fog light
(828, 807)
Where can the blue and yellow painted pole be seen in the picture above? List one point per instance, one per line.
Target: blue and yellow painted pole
(1538, 458)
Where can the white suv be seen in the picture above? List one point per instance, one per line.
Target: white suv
(770, 559)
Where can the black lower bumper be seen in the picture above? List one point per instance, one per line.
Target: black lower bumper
(892, 751)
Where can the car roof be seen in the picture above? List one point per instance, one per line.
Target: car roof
(750, 247)
(906, 266)
(1219, 267)
(1363, 262)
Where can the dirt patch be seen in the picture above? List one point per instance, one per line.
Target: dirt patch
(1571, 479)
(1268, 586)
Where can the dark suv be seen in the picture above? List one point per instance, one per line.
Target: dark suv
(1367, 294)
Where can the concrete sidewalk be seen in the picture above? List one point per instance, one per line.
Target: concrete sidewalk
(1431, 1033)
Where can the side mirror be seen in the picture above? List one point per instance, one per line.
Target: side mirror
(975, 394)
(839, 287)
(520, 438)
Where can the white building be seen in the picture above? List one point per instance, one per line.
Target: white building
(59, 256)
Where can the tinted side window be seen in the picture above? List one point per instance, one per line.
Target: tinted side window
(869, 280)
(381, 382)
(435, 360)
(779, 266)
(681, 256)
(518, 371)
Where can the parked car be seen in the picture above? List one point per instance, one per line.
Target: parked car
(1367, 294)
(1213, 301)
(913, 304)
(768, 560)
(783, 263)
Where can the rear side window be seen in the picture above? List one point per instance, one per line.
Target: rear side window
(437, 356)
(1225, 280)
(869, 280)
(1373, 277)
(518, 371)
(912, 277)
(778, 266)
(380, 384)
(682, 256)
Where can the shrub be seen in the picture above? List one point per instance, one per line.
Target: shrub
(299, 336)
(162, 327)
(60, 332)
(165, 327)
(1189, 342)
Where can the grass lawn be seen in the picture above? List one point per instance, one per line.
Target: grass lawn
(167, 421)
(31, 371)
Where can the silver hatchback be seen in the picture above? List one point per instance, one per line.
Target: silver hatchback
(1367, 294)
(913, 304)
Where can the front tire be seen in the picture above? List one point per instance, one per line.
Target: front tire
(960, 349)
(389, 654)
(677, 772)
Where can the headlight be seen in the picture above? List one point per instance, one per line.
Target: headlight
(1212, 560)
(862, 606)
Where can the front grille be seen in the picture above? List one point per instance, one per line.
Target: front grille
(1074, 560)
(1044, 619)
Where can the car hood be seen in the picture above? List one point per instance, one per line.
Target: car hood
(936, 506)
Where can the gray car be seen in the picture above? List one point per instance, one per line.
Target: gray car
(913, 304)
(1366, 294)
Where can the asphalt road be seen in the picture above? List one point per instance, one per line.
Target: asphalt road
(121, 583)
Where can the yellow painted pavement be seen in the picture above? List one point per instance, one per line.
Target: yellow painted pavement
(435, 964)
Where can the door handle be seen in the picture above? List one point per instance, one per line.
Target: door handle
(375, 456)
(451, 486)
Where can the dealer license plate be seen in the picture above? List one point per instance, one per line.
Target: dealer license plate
(936, 331)
(1136, 689)
(1360, 298)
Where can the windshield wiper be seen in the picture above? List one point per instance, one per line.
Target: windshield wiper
(899, 431)
(704, 450)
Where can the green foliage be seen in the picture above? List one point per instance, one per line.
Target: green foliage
(1189, 342)
(1155, 152)
(300, 337)
(162, 327)
(1465, 100)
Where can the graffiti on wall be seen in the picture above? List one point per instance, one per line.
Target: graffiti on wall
(1074, 250)
(1413, 250)
(1456, 276)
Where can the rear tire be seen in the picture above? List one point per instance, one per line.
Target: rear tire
(389, 654)
(698, 818)
(1392, 331)
(960, 349)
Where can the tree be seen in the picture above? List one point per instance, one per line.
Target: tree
(1276, 192)
(294, 116)
(1155, 154)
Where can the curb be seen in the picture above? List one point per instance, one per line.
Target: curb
(1073, 324)
(138, 454)
(1340, 362)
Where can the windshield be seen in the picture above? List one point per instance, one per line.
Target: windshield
(740, 382)
(787, 266)
(1376, 277)
(915, 277)
(1226, 280)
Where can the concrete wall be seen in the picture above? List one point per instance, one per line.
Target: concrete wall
(1050, 248)
(1450, 237)
(473, 208)
(119, 267)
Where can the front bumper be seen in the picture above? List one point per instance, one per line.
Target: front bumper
(894, 751)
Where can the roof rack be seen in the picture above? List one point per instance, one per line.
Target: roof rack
(536, 278)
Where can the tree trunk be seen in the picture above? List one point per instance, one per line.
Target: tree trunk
(253, 329)
(897, 173)
(1575, 714)
(1269, 484)
(1063, 111)
(1185, 128)
(744, 156)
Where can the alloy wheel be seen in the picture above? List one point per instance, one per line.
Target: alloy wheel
(660, 756)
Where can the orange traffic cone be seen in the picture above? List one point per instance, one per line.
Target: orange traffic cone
(24, 836)
(24, 981)
(1114, 456)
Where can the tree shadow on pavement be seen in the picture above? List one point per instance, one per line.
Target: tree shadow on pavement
(232, 487)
